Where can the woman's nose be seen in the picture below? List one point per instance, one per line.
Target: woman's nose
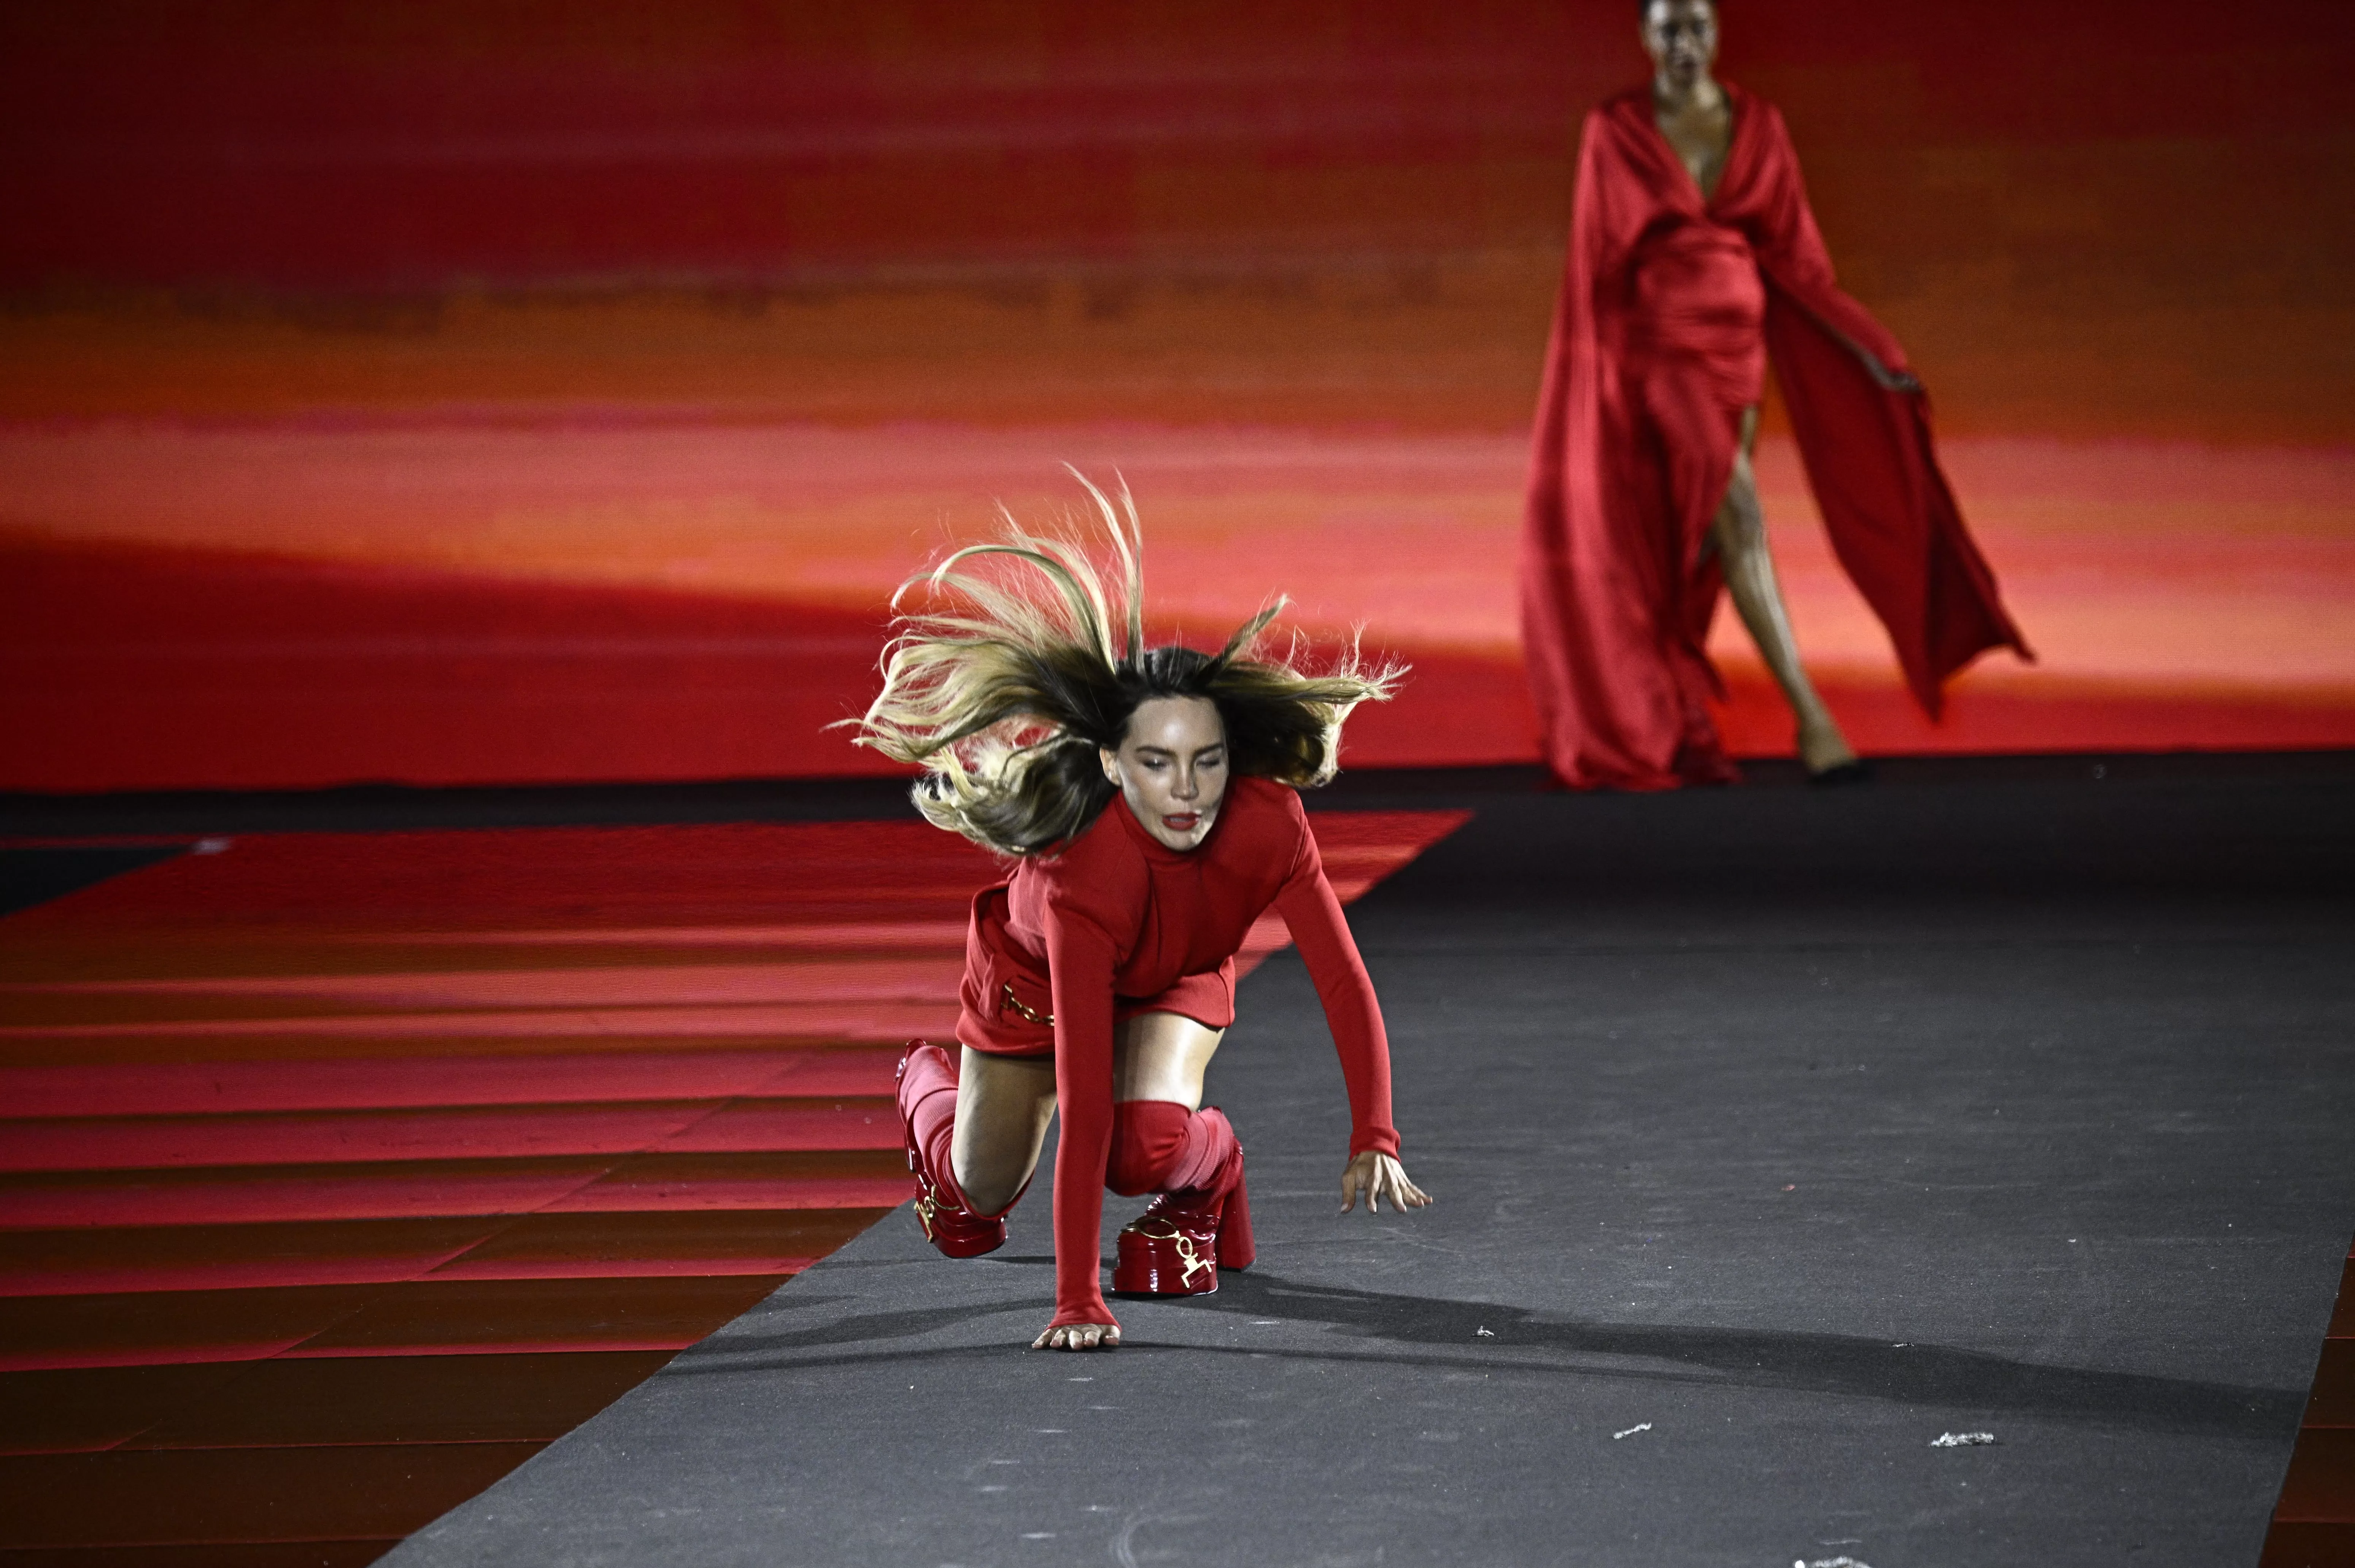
(1185, 787)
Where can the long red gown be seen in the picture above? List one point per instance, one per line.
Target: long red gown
(1670, 306)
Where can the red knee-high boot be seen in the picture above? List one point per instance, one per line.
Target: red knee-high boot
(927, 1092)
(1201, 1218)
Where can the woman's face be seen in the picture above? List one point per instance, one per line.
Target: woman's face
(1172, 768)
(1681, 37)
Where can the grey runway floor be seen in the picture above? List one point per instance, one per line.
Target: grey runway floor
(1775, 1134)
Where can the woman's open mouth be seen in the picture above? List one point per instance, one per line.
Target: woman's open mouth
(1184, 823)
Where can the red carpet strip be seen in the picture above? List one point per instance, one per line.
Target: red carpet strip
(340, 1173)
(2314, 1525)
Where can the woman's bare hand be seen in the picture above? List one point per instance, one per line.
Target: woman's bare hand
(1079, 1337)
(1378, 1176)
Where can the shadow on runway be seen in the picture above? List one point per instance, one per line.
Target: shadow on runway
(1448, 1333)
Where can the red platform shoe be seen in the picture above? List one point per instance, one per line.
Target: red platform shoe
(1168, 1251)
(1182, 1239)
(947, 1223)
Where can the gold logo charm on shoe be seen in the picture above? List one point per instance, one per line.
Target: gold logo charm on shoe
(1184, 1246)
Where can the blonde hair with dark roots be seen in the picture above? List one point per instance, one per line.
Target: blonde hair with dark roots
(1030, 662)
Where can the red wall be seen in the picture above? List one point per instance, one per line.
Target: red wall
(2110, 222)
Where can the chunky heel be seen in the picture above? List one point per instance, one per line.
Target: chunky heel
(1236, 1249)
(1182, 1239)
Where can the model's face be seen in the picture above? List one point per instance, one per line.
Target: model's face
(1681, 37)
(1172, 768)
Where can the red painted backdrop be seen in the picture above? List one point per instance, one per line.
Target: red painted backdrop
(537, 390)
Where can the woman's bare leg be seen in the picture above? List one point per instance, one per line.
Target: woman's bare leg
(1162, 1056)
(1004, 1103)
(1739, 535)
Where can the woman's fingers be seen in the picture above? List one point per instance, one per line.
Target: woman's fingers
(1375, 1176)
(1378, 1176)
(1078, 1336)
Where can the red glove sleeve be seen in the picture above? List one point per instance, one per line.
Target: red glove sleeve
(1079, 970)
(1313, 917)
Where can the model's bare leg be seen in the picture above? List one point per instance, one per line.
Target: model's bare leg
(1162, 1056)
(1004, 1103)
(1739, 535)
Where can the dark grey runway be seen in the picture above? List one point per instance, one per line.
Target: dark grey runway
(1775, 1134)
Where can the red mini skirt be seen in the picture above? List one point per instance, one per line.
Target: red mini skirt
(1005, 1001)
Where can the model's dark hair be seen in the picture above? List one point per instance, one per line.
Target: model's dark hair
(1005, 694)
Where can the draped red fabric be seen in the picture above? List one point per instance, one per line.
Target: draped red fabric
(1669, 308)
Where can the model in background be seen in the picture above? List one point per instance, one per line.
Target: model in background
(1693, 257)
(1147, 797)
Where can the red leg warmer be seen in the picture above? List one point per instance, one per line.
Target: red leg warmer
(928, 1097)
(1193, 1160)
(1159, 1145)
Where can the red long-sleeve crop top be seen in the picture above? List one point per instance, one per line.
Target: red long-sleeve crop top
(1118, 914)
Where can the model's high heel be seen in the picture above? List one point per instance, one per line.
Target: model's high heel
(1182, 1239)
(1171, 1249)
(1236, 1248)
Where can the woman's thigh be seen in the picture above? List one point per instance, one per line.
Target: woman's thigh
(1004, 1103)
(1162, 1056)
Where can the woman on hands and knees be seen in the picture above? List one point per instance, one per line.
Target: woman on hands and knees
(1147, 797)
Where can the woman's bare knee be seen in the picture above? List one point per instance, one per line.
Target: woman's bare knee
(994, 1175)
(1003, 1108)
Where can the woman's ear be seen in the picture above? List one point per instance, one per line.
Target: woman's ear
(1110, 761)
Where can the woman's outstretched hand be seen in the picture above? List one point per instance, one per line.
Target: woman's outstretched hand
(1079, 1337)
(1379, 1176)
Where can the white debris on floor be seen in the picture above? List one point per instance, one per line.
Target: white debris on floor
(1639, 1426)
(1484, 1333)
(1842, 1561)
(1962, 1439)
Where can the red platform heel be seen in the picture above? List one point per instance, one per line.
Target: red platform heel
(1182, 1239)
(947, 1223)
(1169, 1249)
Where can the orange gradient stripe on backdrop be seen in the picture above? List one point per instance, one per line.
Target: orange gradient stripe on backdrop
(577, 428)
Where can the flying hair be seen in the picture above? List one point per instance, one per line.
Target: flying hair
(1025, 658)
